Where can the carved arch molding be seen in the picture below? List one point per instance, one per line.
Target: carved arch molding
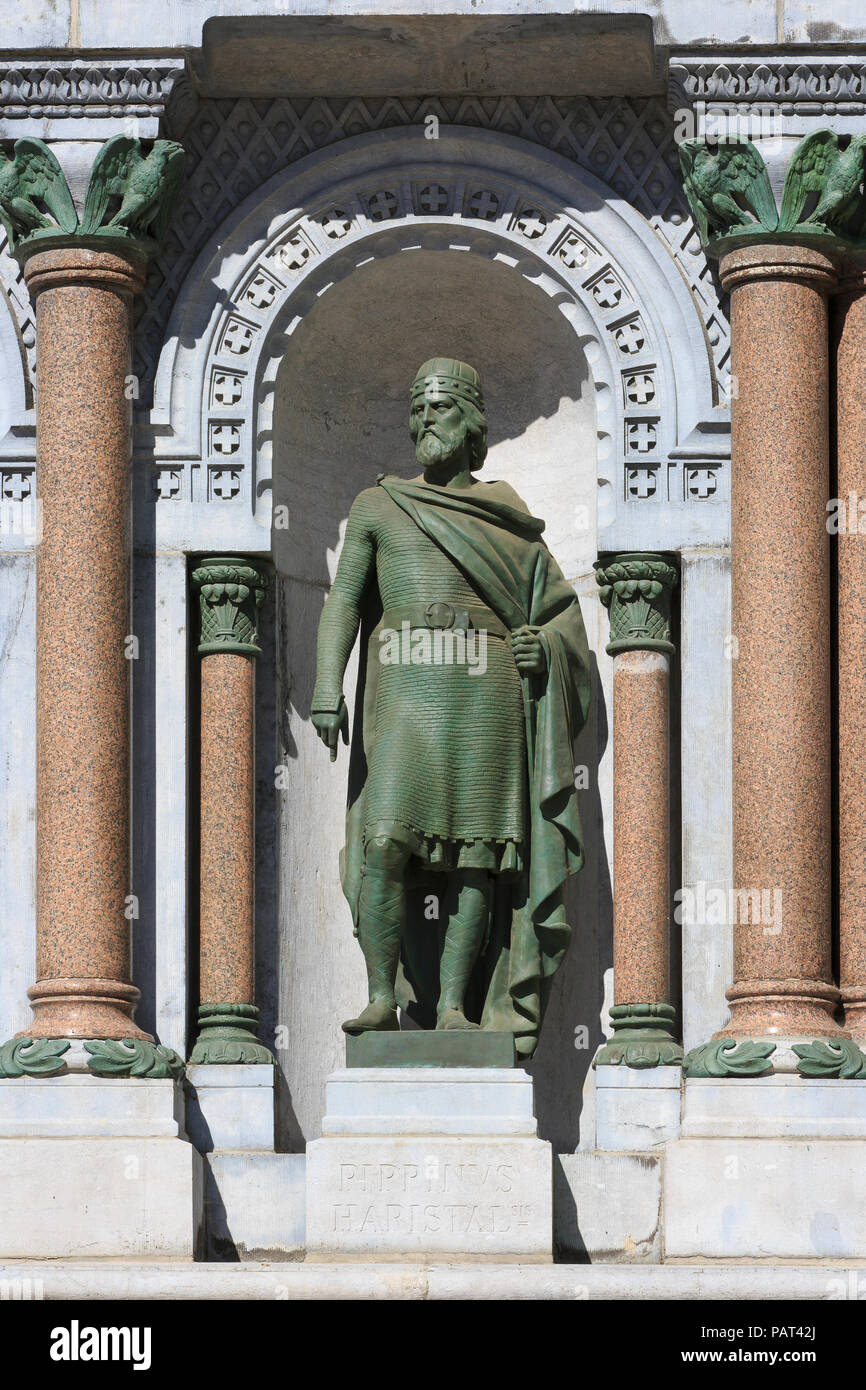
(203, 457)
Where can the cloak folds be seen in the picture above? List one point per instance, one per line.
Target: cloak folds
(500, 551)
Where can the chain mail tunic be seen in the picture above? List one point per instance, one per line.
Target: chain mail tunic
(435, 724)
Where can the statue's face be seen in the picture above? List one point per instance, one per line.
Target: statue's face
(438, 428)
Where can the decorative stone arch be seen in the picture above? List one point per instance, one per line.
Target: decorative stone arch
(661, 439)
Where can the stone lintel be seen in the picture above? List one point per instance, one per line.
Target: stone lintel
(401, 55)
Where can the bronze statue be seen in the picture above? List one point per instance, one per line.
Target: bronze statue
(473, 681)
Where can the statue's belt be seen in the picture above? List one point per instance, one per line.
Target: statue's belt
(446, 616)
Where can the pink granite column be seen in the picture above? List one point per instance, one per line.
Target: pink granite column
(230, 592)
(849, 344)
(636, 588)
(783, 985)
(83, 326)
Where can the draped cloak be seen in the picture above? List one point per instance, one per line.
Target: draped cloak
(499, 549)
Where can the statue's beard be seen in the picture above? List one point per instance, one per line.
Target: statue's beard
(436, 448)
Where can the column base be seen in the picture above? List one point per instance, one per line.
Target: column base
(854, 1004)
(783, 1008)
(104, 1057)
(643, 1037)
(83, 1008)
(227, 1036)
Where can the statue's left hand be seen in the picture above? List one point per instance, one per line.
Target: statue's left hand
(528, 650)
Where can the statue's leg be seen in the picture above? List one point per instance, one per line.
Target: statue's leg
(381, 918)
(467, 906)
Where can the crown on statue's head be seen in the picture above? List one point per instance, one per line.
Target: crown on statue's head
(452, 378)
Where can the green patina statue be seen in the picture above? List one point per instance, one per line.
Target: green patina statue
(462, 824)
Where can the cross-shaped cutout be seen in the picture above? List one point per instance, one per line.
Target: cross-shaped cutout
(641, 482)
(607, 292)
(433, 198)
(225, 483)
(226, 439)
(261, 293)
(294, 254)
(640, 389)
(641, 437)
(484, 205)
(16, 486)
(532, 223)
(238, 338)
(382, 205)
(574, 253)
(166, 484)
(702, 482)
(227, 390)
(335, 223)
(629, 338)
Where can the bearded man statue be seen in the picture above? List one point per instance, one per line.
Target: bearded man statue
(461, 770)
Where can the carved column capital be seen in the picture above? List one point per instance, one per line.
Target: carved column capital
(728, 189)
(636, 589)
(127, 205)
(231, 591)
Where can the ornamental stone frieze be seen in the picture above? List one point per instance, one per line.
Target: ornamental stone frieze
(64, 98)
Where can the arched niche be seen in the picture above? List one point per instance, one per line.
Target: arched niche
(340, 417)
(275, 389)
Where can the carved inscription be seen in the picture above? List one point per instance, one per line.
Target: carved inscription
(435, 1197)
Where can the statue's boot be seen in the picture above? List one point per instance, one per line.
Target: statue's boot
(381, 912)
(467, 903)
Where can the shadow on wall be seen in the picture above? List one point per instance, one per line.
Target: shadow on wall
(341, 418)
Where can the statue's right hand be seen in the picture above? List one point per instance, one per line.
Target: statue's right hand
(330, 726)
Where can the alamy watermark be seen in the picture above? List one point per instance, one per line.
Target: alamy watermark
(703, 905)
(438, 646)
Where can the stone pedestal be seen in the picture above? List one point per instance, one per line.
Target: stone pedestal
(417, 1163)
(99, 1167)
(767, 1167)
(636, 1109)
(231, 1107)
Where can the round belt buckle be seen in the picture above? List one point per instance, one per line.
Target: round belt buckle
(439, 615)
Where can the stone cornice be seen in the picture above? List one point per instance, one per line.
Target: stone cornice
(805, 84)
(67, 98)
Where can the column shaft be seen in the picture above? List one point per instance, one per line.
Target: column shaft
(781, 667)
(227, 905)
(83, 321)
(849, 342)
(637, 588)
(641, 834)
(230, 591)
